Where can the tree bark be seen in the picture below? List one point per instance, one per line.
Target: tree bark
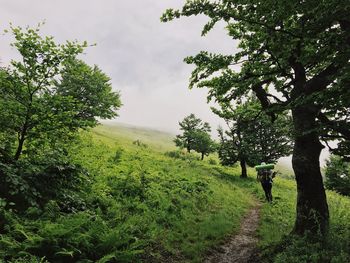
(202, 157)
(20, 143)
(22, 135)
(243, 168)
(312, 209)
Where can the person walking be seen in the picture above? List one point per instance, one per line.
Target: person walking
(265, 177)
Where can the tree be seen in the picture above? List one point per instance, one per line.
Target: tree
(338, 175)
(292, 55)
(202, 143)
(190, 125)
(48, 95)
(252, 138)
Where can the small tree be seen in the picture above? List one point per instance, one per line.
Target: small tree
(190, 125)
(203, 144)
(338, 175)
(252, 137)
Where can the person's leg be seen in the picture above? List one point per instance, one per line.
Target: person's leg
(269, 188)
(271, 192)
(264, 186)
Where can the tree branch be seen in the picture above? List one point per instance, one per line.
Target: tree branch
(335, 125)
(322, 79)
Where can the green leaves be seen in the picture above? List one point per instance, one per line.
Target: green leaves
(252, 136)
(338, 175)
(45, 98)
(195, 136)
(49, 94)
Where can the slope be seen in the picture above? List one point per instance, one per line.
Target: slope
(137, 204)
(144, 202)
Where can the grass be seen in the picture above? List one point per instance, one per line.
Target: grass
(141, 205)
(120, 133)
(195, 209)
(277, 222)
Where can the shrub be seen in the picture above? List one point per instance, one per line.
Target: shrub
(26, 181)
(118, 155)
(178, 154)
(212, 161)
(140, 144)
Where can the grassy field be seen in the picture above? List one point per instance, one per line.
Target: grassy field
(277, 219)
(189, 204)
(139, 205)
(145, 202)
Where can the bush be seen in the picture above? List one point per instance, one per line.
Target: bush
(140, 144)
(178, 154)
(338, 175)
(26, 181)
(212, 161)
(118, 155)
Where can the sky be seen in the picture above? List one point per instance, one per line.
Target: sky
(143, 56)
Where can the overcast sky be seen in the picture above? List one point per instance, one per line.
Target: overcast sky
(143, 56)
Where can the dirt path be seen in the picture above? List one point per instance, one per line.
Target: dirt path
(241, 247)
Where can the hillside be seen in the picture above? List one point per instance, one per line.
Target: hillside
(159, 140)
(144, 202)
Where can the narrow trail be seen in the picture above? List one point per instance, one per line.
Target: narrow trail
(241, 247)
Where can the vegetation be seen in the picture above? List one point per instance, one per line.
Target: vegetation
(140, 206)
(195, 136)
(296, 58)
(46, 97)
(338, 175)
(145, 205)
(278, 218)
(72, 191)
(252, 138)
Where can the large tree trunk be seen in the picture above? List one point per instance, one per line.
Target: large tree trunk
(312, 209)
(243, 168)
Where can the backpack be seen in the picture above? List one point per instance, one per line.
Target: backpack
(265, 176)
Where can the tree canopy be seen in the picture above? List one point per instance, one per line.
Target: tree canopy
(337, 175)
(46, 97)
(49, 94)
(252, 137)
(189, 126)
(202, 143)
(195, 136)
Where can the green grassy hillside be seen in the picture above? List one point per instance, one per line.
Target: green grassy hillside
(121, 133)
(144, 202)
(139, 205)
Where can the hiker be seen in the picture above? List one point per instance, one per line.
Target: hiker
(265, 176)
